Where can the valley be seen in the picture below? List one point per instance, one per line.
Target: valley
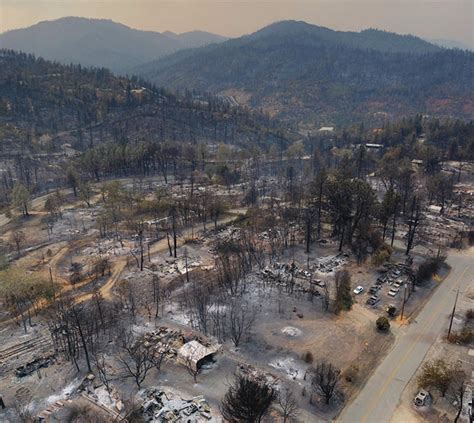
(276, 227)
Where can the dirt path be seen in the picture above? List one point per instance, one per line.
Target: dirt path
(119, 265)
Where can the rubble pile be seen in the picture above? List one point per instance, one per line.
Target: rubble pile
(291, 275)
(221, 234)
(258, 375)
(332, 263)
(165, 339)
(33, 366)
(160, 407)
(178, 265)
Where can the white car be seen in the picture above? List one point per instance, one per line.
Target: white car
(393, 293)
(358, 290)
(422, 398)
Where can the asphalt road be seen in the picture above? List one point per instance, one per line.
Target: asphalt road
(378, 399)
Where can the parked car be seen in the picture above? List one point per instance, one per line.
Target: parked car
(358, 290)
(374, 289)
(398, 284)
(423, 397)
(373, 300)
(392, 292)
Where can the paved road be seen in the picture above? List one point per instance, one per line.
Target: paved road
(377, 401)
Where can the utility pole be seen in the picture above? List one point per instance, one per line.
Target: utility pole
(404, 300)
(452, 314)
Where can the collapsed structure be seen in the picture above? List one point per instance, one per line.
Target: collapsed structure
(163, 407)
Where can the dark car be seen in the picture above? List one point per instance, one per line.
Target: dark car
(373, 300)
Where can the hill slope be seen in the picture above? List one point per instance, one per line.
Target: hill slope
(306, 73)
(99, 43)
(84, 107)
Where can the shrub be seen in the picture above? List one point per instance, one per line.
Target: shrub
(427, 269)
(351, 373)
(382, 255)
(308, 357)
(391, 310)
(382, 324)
(464, 337)
(470, 314)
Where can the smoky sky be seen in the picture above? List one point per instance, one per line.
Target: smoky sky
(445, 19)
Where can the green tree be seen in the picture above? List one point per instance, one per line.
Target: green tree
(24, 292)
(247, 400)
(73, 179)
(85, 193)
(387, 209)
(438, 374)
(344, 298)
(382, 324)
(21, 198)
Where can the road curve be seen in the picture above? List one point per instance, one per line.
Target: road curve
(379, 398)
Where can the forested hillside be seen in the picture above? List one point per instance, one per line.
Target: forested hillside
(52, 111)
(309, 74)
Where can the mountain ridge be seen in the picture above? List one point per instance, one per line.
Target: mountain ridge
(99, 42)
(302, 72)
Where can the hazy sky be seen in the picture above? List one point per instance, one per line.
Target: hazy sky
(448, 19)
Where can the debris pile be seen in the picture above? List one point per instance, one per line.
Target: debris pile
(288, 365)
(258, 375)
(293, 278)
(33, 366)
(179, 265)
(165, 340)
(332, 263)
(160, 406)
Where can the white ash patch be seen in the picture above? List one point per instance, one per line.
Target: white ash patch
(291, 331)
(290, 367)
(65, 393)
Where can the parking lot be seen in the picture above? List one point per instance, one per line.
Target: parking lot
(388, 288)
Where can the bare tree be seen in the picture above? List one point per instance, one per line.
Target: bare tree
(155, 284)
(136, 358)
(103, 371)
(198, 301)
(325, 377)
(414, 221)
(241, 320)
(191, 367)
(288, 404)
(458, 393)
(18, 236)
(326, 297)
(173, 214)
(186, 256)
(138, 252)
